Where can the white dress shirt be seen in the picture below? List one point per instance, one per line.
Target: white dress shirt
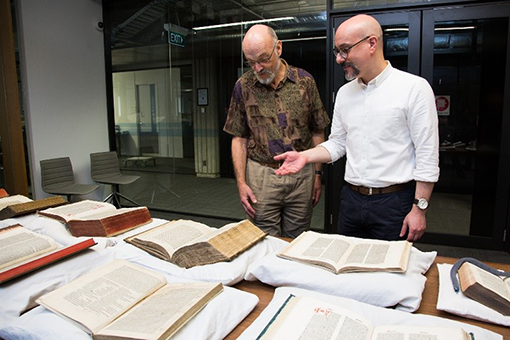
(388, 129)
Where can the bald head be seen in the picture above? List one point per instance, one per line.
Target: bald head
(359, 27)
(257, 37)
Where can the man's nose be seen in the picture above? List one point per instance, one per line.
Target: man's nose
(339, 59)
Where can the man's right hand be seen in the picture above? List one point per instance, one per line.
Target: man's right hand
(247, 197)
(293, 162)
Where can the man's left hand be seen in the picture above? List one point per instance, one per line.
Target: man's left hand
(416, 223)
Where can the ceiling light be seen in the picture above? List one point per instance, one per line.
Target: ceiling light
(201, 28)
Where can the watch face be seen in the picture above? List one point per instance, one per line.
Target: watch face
(422, 203)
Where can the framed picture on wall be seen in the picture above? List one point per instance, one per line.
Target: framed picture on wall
(202, 99)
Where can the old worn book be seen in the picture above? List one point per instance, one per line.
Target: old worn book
(121, 300)
(91, 218)
(308, 318)
(15, 199)
(341, 254)
(20, 205)
(489, 289)
(23, 251)
(188, 243)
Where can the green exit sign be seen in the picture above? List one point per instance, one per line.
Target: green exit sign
(176, 39)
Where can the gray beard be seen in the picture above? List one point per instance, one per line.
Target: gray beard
(354, 74)
(272, 75)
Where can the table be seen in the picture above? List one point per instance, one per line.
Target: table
(427, 306)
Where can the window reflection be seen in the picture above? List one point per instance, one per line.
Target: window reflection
(159, 62)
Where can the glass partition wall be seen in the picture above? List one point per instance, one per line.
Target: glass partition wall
(174, 65)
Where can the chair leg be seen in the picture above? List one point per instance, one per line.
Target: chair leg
(127, 199)
(108, 197)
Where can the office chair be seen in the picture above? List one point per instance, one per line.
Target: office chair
(58, 178)
(105, 170)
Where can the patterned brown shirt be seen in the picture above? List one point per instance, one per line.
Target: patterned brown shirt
(276, 121)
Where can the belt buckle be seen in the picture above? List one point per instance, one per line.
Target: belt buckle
(369, 191)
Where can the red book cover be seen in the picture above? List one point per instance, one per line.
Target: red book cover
(46, 260)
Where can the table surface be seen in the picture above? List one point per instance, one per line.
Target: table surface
(427, 306)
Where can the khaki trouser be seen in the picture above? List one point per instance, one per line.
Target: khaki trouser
(284, 203)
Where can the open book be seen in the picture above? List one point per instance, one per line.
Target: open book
(188, 243)
(490, 290)
(91, 218)
(306, 318)
(340, 254)
(18, 205)
(23, 251)
(121, 300)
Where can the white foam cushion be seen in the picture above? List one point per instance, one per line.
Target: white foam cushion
(460, 304)
(215, 321)
(402, 290)
(376, 315)
(227, 273)
(19, 295)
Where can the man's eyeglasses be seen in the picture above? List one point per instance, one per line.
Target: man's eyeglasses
(250, 63)
(343, 52)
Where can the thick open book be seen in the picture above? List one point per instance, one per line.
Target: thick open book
(91, 218)
(18, 205)
(189, 244)
(306, 318)
(340, 254)
(490, 290)
(121, 300)
(23, 251)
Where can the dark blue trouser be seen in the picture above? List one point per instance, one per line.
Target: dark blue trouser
(376, 216)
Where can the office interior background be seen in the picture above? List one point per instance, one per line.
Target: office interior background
(152, 80)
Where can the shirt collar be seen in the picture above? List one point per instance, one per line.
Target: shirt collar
(381, 77)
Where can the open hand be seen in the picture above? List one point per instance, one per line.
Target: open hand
(293, 163)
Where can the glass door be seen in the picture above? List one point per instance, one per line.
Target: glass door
(465, 58)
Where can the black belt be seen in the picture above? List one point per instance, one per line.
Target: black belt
(375, 191)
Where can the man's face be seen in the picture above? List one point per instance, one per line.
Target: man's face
(348, 53)
(264, 62)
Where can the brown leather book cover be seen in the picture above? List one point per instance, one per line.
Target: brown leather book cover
(30, 207)
(111, 225)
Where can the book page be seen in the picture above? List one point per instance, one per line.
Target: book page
(378, 254)
(164, 312)
(317, 248)
(490, 281)
(10, 200)
(173, 235)
(104, 213)
(97, 298)
(18, 244)
(399, 332)
(305, 318)
(80, 210)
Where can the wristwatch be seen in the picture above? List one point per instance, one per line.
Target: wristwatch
(319, 172)
(421, 203)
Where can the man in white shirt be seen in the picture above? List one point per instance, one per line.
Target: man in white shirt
(385, 121)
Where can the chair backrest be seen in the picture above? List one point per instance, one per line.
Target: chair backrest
(104, 163)
(56, 171)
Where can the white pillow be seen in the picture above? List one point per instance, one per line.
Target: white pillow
(228, 273)
(215, 321)
(376, 315)
(460, 304)
(404, 291)
(19, 295)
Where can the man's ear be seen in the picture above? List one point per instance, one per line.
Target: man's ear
(373, 41)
